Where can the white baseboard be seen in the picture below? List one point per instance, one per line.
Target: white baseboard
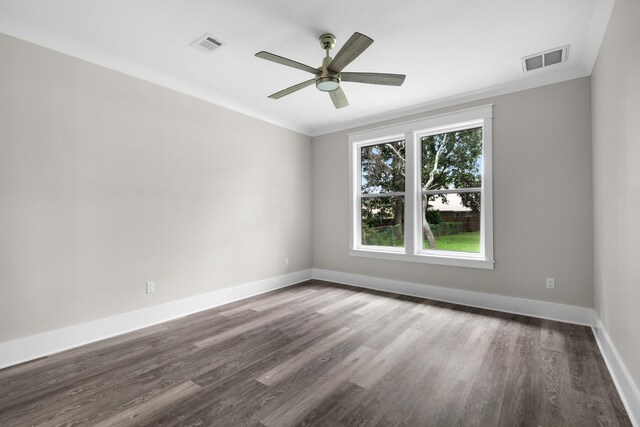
(35, 346)
(627, 388)
(527, 307)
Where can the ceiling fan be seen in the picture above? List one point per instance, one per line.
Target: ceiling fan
(329, 75)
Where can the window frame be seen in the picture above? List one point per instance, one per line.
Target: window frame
(359, 195)
(412, 132)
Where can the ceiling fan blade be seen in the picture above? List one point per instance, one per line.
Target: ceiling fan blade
(356, 44)
(292, 89)
(374, 78)
(285, 61)
(339, 98)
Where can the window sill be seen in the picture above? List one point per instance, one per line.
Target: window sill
(456, 261)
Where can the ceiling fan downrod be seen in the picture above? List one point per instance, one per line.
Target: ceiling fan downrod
(327, 81)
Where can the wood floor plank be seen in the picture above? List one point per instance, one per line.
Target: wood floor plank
(141, 413)
(373, 306)
(231, 374)
(355, 300)
(167, 374)
(241, 329)
(124, 381)
(426, 372)
(380, 335)
(524, 381)
(552, 411)
(371, 324)
(67, 383)
(276, 374)
(292, 299)
(585, 376)
(226, 382)
(283, 393)
(254, 363)
(53, 369)
(193, 361)
(69, 358)
(225, 409)
(295, 409)
(335, 407)
(249, 303)
(487, 394)
(367, 375)
(320, 353)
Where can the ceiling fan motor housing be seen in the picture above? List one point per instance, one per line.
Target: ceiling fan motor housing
(327, 81)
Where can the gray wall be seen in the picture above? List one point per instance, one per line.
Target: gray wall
(616, 175)
(542, 201)
(107, 181)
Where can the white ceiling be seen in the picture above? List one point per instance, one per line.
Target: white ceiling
(450, 50)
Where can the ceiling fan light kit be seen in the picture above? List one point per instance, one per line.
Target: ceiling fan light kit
(328, 84)
(329, 76)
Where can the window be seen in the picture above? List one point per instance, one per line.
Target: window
(421, 190)
(382, 184)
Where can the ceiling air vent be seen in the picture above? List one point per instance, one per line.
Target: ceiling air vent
(546, 58)
(207, 44)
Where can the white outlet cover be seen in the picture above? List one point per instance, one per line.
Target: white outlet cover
(151, 287)
(551, 283)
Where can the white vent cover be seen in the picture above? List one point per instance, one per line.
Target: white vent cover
(546, 58)
(207, 43)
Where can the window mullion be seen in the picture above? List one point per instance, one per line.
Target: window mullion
(355, 229)
(486, 197)
(411, 193)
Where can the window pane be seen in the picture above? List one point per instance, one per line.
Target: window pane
(383, 221)
(451, 222)
(452, 160)
(382, 168)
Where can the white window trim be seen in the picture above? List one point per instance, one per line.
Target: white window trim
(411, 132)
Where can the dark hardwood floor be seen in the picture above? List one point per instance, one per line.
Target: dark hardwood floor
(324, 354)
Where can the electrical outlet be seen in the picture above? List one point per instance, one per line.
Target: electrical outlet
(551, 283)
(151, 287)
(286, 261)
